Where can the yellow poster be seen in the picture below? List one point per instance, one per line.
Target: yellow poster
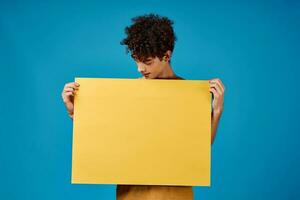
(139, 131)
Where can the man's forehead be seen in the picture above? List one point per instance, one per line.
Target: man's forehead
(143, 59)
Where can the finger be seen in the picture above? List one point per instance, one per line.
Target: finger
(72, 84)
(69, 84)
(219, 82)
(217, 87)
(69, 94)
(69, 90)
(214, 91)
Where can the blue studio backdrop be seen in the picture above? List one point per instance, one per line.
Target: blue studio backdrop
(252, 46)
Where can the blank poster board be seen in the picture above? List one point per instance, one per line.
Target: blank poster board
(141, 132)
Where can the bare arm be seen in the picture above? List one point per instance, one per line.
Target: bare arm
(217, 89)
(215, 117)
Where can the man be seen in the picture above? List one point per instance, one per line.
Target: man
(150, 40)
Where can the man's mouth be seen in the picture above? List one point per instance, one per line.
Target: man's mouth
(146, 74)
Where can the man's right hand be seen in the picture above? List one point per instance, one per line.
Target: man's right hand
(68, 96)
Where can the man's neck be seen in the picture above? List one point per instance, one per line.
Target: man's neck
(168, 73)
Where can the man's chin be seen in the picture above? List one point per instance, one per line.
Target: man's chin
(149, 77)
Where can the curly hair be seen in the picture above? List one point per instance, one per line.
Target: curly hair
(150, 35)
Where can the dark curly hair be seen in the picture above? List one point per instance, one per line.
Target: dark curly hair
(150, 35)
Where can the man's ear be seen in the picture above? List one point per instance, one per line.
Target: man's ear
(167, 56)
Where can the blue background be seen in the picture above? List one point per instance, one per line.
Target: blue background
(252, 46)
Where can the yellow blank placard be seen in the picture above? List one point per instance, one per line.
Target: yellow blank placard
(141, 132)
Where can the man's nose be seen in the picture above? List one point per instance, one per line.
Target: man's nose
(141, 68)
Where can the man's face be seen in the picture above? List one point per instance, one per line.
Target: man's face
(152, 68)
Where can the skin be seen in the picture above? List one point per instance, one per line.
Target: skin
(155, 68)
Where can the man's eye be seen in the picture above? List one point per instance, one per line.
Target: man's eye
(148, 63)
